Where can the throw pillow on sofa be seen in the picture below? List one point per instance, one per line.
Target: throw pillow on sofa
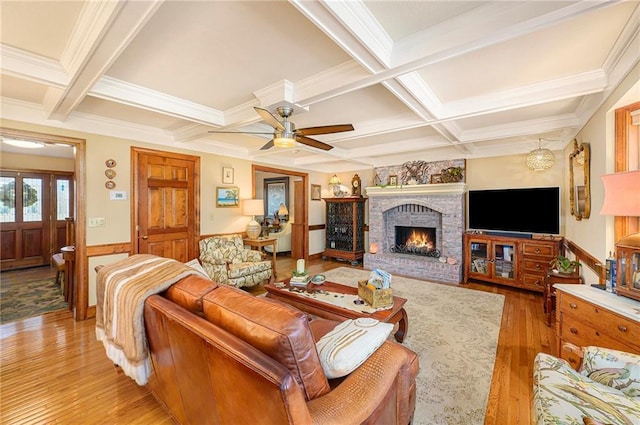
(345, 348)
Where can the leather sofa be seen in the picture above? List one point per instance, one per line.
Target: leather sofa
(222, 356)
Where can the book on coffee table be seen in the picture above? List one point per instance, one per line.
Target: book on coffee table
(300, 280)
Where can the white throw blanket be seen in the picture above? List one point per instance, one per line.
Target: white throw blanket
(122, 288)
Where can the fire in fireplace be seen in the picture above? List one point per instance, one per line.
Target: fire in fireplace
(416, 241)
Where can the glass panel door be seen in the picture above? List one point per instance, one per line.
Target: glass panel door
(503, 260)
(479, 258)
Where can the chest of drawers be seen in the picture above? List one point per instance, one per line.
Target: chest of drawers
(589, 316)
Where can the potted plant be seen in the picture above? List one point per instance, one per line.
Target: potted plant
(562, 264)
(451, 175)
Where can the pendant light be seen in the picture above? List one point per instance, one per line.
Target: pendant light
(540, 159)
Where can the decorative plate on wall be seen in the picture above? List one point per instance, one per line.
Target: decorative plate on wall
(110, 184)
(110, 163)
(110, 173)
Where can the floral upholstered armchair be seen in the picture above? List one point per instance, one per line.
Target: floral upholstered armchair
(227, 262)
(604, 390)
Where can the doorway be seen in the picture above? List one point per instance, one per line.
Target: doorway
(298, 208)
(74, 188)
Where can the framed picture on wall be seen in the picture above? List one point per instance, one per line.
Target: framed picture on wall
(227, 197)
(276, 192)
(316, 192)
(227, 175)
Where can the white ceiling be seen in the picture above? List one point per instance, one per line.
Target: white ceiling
(429, 80)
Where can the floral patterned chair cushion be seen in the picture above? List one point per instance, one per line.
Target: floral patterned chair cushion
(565, 396)
(227, 262)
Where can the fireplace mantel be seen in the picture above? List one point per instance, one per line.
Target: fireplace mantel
(418, 189)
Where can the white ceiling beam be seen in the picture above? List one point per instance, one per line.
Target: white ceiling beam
(103, 31)
(29, 66)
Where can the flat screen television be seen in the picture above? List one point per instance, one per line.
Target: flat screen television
(520, 211)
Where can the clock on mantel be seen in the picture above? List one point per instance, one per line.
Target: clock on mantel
(356, 186)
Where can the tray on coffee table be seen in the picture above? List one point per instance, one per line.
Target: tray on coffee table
(291, 295)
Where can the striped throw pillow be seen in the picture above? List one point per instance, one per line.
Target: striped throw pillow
(349, 344)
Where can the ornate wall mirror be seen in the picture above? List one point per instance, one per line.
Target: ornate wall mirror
(579, 189)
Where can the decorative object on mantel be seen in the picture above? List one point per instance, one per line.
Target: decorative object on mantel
(540, 159)
(436, 178)
(377, 181)
(414, 172)
(393, 180)
(451, 175)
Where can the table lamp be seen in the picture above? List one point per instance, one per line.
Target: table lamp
(253, 207)
(622, 199)
(335, 182)
(283, 212)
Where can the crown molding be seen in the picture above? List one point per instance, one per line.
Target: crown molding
(22, 64)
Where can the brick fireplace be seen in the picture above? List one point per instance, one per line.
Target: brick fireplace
(439, 208)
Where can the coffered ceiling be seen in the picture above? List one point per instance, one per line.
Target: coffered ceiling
(429, 80)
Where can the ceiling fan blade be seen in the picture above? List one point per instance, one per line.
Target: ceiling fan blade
(313, 142)
(269, 145)
(269, 118)
(324, 129)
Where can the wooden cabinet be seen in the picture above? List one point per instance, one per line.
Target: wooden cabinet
(345, 228)
(491, 259)
(509, 261)
(628, 266)
(589, 316)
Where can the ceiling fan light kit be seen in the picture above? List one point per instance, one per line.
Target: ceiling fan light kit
(540, 159)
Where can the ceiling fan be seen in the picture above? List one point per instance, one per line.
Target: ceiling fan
(285, 133)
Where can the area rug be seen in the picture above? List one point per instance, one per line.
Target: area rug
(21, 300)
(455, 332)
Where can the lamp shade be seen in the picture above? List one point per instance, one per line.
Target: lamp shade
(334, 180)
(540, 159)
(283, 209)
(621, 194)
(253, 207)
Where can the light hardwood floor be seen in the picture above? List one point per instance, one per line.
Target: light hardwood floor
(52, 369)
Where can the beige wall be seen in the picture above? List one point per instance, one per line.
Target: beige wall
(18, 161)
(595, 235)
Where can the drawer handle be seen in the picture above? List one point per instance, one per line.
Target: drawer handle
(572, 360)
(537, 282)
(537, 250)
(573, 331)
(573, 305)
(538, 266)
(622, 328)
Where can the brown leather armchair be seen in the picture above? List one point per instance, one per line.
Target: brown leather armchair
(223, 356)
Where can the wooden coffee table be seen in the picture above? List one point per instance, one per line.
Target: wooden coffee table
(396, 314)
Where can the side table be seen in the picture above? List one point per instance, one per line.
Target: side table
(259, 243)
(551, 279)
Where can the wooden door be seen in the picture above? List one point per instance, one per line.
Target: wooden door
(299, 228)
(24, 220)
(167, 195)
